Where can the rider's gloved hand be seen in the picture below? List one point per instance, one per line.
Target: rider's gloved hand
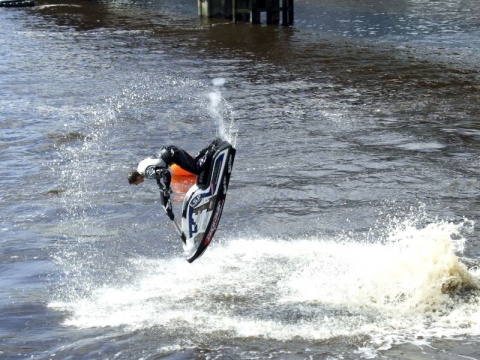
(168, 209)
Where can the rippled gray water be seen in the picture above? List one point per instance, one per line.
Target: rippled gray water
(354, 192)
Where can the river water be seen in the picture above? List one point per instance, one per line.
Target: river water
(353, 197)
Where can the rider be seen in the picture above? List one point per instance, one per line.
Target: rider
(157, 168)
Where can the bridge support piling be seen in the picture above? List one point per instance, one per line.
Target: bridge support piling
(248, 10)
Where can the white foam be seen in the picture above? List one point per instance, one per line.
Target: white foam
(219, 81)
(405, 287)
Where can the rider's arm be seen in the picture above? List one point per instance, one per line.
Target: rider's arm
(164, 177)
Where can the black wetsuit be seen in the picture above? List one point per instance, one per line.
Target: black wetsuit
(196, 164)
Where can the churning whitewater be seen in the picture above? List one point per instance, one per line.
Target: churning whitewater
(405, 288)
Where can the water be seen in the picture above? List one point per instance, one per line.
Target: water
(353, 197)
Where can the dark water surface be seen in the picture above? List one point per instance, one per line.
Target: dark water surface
(354, 193)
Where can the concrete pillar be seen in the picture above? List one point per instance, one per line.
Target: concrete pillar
(239, 10)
